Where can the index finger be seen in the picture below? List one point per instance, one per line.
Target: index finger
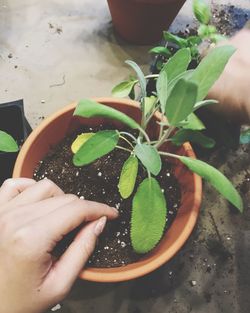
(57, 224)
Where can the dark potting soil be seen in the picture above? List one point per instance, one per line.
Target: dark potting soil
(98, 182)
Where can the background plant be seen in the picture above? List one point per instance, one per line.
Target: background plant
(205, 32)
(179, 93)
(7, 143)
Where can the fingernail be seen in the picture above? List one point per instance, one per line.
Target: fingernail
(116, 211)
(100, 225)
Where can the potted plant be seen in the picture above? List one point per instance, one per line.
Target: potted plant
(142, 21)
(200, 38)
(12, 124)
(157, 129)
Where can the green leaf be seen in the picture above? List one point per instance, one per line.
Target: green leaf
(245, 136)
(90, 108)
(160, 50)
(210, 69)
(128, 177)
(162, 89)
(194, 136)
(98, 145)
(202, 11)
(186, 75)
(149, 210)
(216, 179)
(203, 103)
(192, 122)
(7, 143)
(149, 104)
(149, 157)
(79, 141)
(123, 89)
(206, 30)
(180, 42)
(194, 40)
(181, 101)
(177, 64)
(141, 77)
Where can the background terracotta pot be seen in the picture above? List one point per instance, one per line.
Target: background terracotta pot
(56, 127)
(142, 21)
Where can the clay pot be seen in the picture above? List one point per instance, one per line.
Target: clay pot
(143, 21)
(55, 128)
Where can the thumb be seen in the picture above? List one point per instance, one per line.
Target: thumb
(66, 270)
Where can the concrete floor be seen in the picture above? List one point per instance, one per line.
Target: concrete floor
(53, 52)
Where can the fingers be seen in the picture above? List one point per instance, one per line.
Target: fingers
(73, 260)
(13, 187)
(66, 218)
(30, 213)
(39, 191)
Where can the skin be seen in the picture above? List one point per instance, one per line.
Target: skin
(34, 217)
(232, 89)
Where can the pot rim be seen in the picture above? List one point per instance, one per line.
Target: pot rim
(130, 271)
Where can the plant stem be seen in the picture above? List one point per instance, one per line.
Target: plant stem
(122, 148)
(128, 134)
(161, 127)
(145, 135)
(169, 154)
(165, 136)
(152, 76)
(128, 142)
(149, 174)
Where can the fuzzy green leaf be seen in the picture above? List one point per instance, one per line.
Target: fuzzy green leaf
(180, 42)
(141, 77)
(149, 157)
(7, 143)
(90, 108)
(245, 137)
(192, 122)
(149, 212)
(123, 89)
(210, 69)
(177, 64)
(186, 75)
(202, 11)
(194, 136)
(216, 179)
(160, 50)
(128, 177)
(181, 101)
(98, 145)
(162, 89)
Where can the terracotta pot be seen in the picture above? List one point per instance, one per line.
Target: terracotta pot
(143, 21)
(55, 128)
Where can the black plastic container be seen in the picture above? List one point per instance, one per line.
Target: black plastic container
(12, 121)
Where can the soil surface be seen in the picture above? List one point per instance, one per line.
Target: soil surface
(98, 182)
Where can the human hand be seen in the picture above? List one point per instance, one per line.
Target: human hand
(232, 89)
(34, 216)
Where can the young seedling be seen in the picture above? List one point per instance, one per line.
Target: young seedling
(179, 93)
(206, 32)
(7, 143)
